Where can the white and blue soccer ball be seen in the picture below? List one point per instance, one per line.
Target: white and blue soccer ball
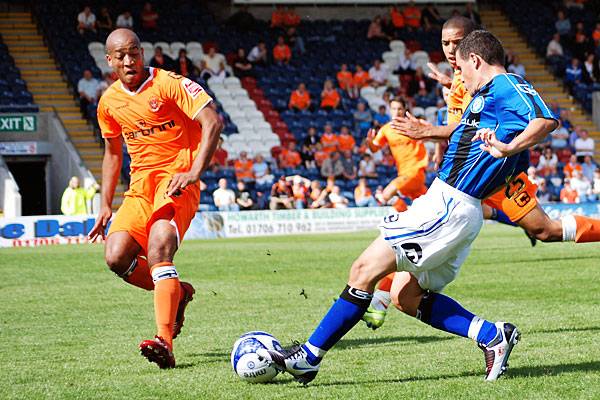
(245, 361)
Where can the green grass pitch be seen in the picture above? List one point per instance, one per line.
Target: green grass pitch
(70, 329)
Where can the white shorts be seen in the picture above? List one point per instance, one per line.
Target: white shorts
(433, 237)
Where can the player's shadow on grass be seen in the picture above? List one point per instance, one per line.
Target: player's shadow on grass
(566, 329)
(210, 357)
(538, 260)
(365, 342)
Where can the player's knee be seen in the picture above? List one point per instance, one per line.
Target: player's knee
(406, 305)
(362, 273)
(116, 261)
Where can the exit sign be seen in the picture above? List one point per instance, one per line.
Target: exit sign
(18, 123)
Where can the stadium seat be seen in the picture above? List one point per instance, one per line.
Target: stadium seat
(397, 46)
(175, 47)
(232, 82)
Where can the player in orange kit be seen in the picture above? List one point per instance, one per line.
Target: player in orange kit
(171, 132)
(410, 156)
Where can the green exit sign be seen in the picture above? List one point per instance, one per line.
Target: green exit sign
(18, 123)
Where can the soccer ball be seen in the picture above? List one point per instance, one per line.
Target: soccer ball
(245, 361)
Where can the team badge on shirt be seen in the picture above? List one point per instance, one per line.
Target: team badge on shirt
(154, 104)
(477, 105)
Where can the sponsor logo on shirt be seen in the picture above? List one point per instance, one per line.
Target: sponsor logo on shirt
(148, 130)
(191, 87)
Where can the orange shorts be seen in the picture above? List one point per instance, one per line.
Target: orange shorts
(411, 186)
(516, 199)
(145, 202)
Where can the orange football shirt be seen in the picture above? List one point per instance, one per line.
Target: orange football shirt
(156, 121)
(458, 99)
(410, 155)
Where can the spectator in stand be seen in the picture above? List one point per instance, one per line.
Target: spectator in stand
(224, 198)
(346, 141)
(543, 194)
(588, 168)
(291, 18)
(584, 145)
(220, 155)
(582, 186)
(350, 171)
(214, 60)
(86, 21)
(221, 73)
(573, 73)
(87, 87)
(430, 17)
(183, 65)
(425, 99)
(330, 98)
(581, 43)
(260, 170)
(149, 18)
(320, 155)
(378, 74)
(555, 180)
(375, 31)
(309, 148)
(361, 77)
(242, 20)
(243, 168)
(596, 185)
(379, 196)
(472, 14)
(363, 196)
(281, 195)
(332, 166)
(405, 64)
(397, 18)
(281, 52)
(346, 81)
(568, 195)
(294, 41)
(559, 137)
(412, 16)
(533, 176)
(337, 199)
(382, 117)
(278, 17)
(259, 54)
(548, 161)
(318, 197)
(300, 98)
(104, 21)
(243, 198)
(241, 66)
(387, 158)
(366, 167)
(75, 199)
(590, 73)
(104, 84)
(161, 60)
(362, 118)
(562, 25)
(554, 50)
(420, 81)
(289, 157)
(300, 188)
(124, 20)
(574, 135)
(516, 67)
(571, 166)
(329, 140)
(205, 73)
(596, 35)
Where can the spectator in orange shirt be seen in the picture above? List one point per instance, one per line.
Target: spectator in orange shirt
(346, 141)
(571, 166)
(412, 15)
(568, 195)
(278, 17)
(376, 30)
(289, 157)
(243, 168)
(596, 34)
(346, 81)
(329, 140)
(363, 197)
(149, 17)
(330, 98)
(397, 18)
(281, 52)
(300, 98)
(320, 155)
(361, 77)
(291, 18)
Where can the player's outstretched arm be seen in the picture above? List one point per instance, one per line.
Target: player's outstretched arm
(419, 129)
(536, 131)
(370, 136)
(439, 76)
(211, 131)
(111, 166)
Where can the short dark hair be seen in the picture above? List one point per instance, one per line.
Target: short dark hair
(399, 100)
(484, 44)
(466, 24)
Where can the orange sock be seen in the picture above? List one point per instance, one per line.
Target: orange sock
(166, 299)
(588, 229)
(400, 205)
(140, 276)
(386, 283)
